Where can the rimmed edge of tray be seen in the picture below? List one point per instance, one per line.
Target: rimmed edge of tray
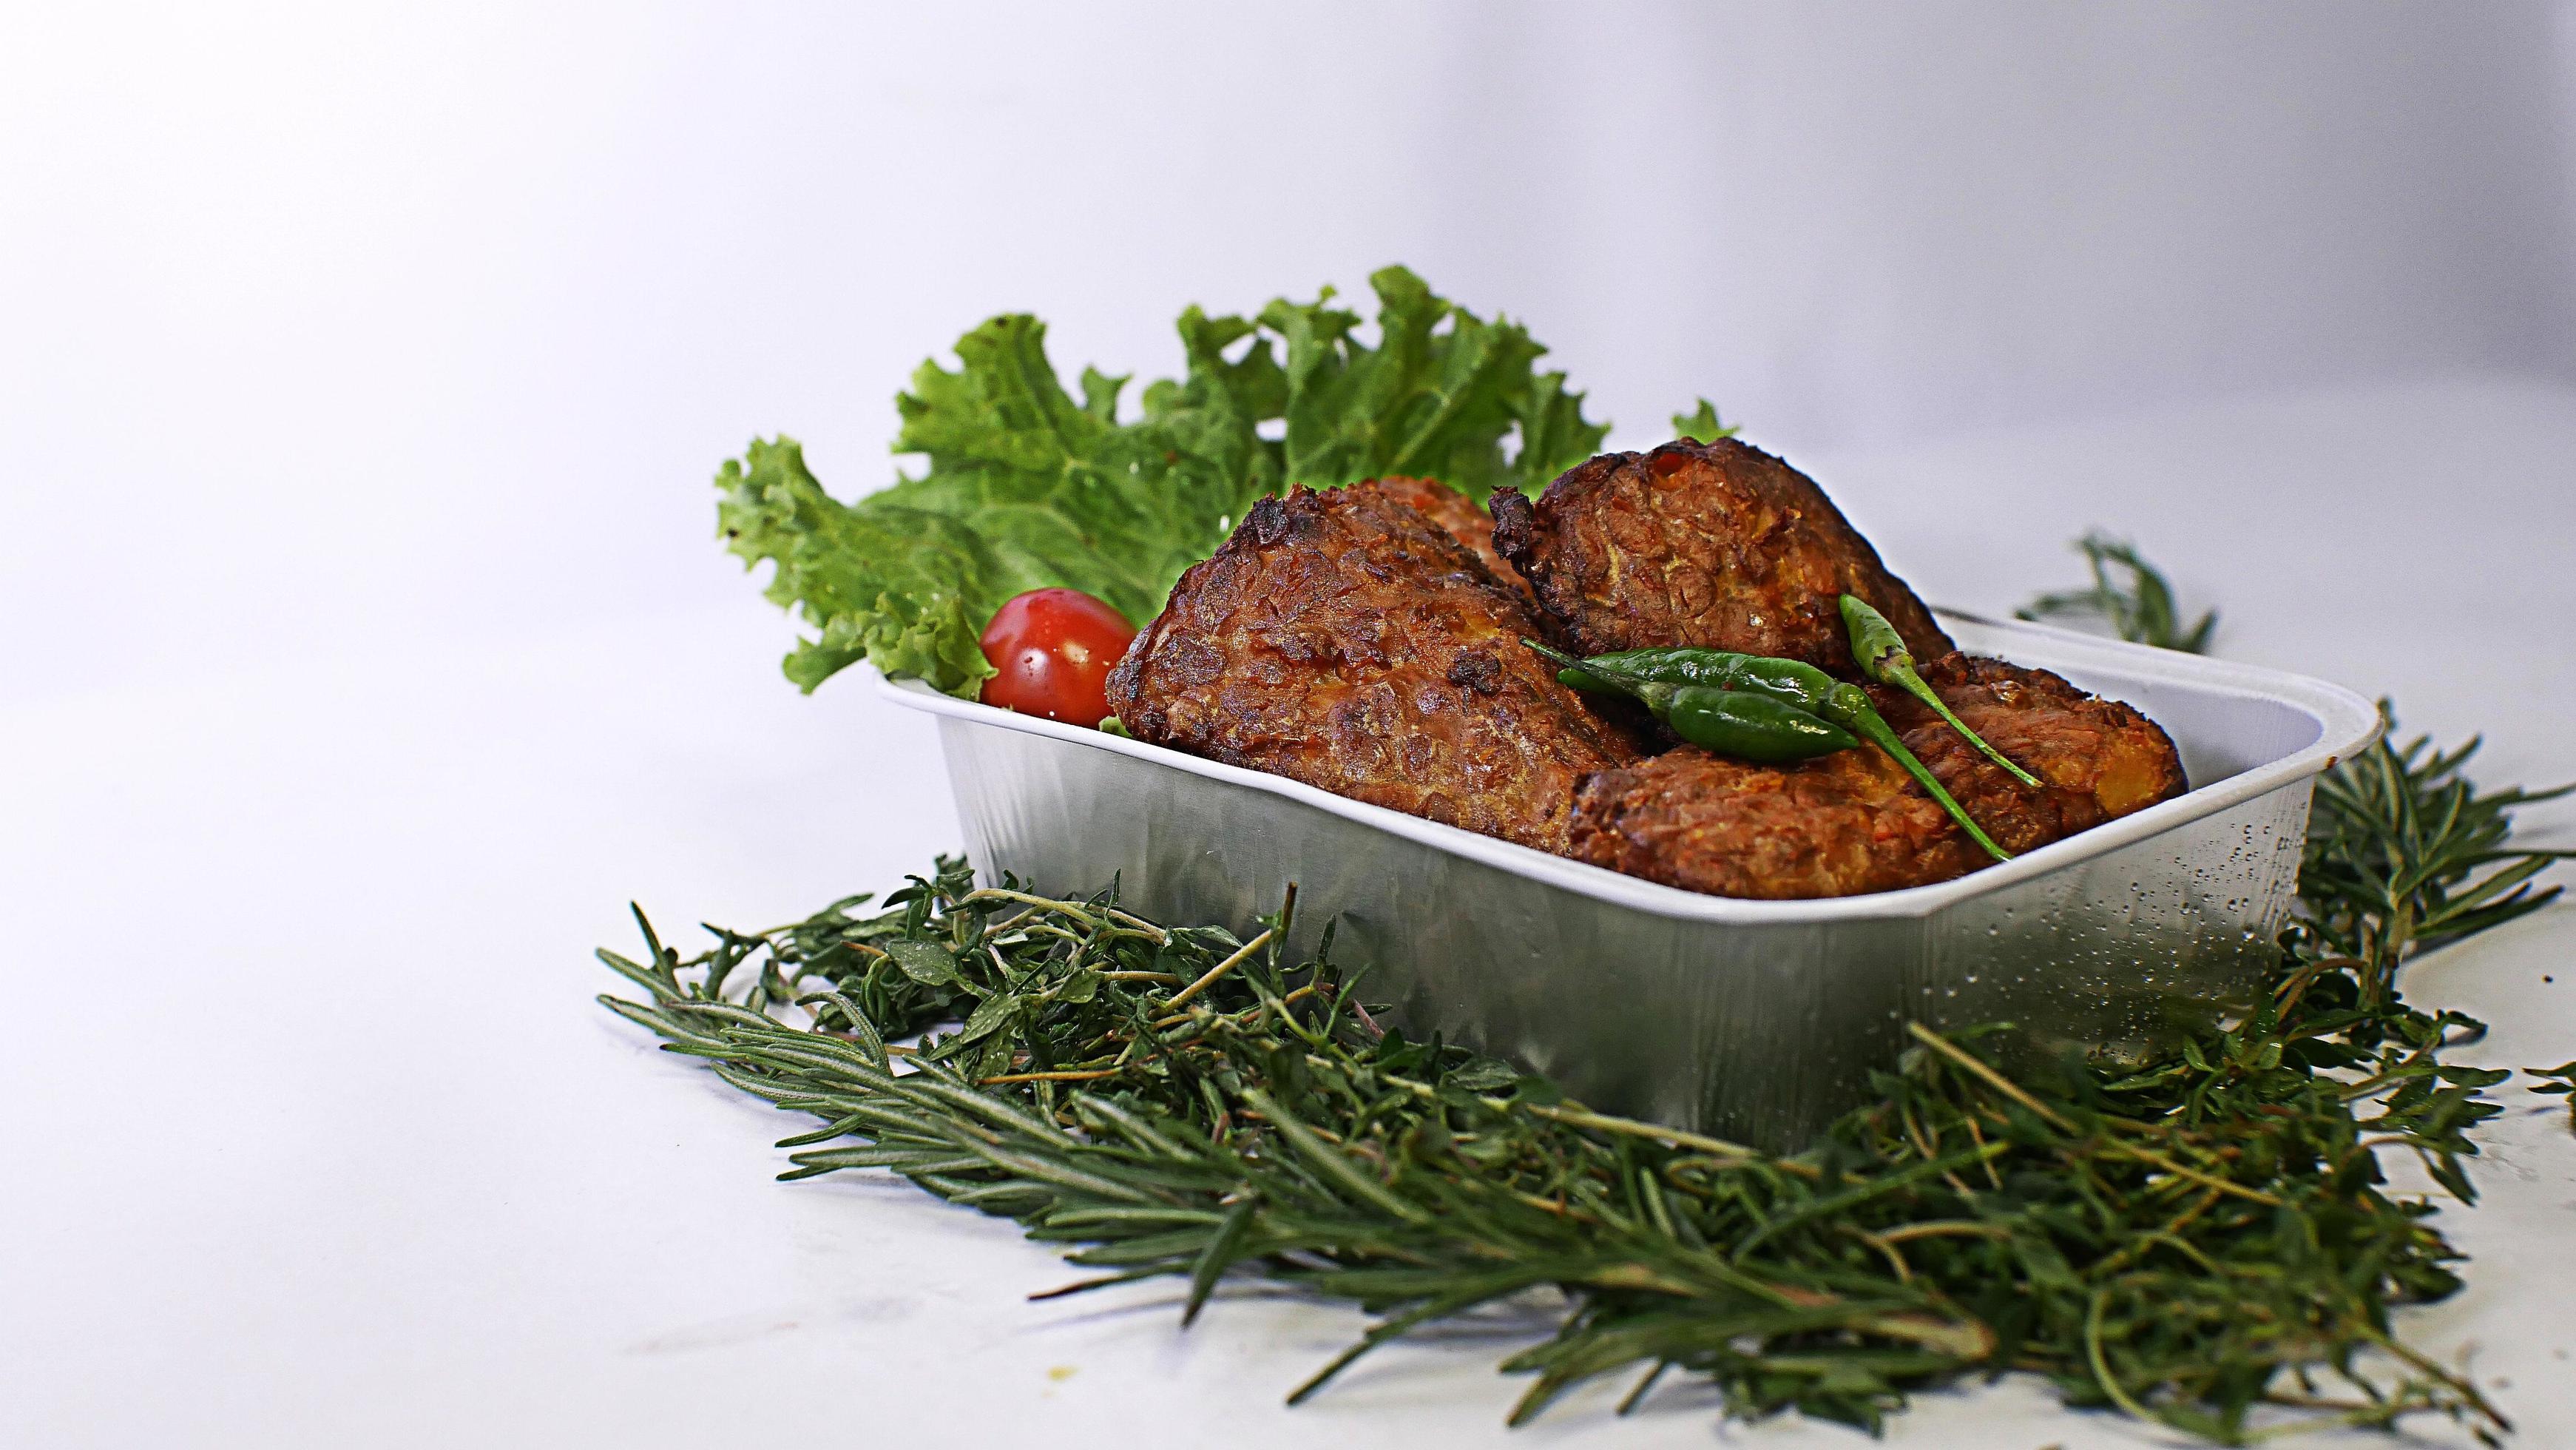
(2346, 724)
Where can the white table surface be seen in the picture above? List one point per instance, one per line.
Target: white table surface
(311, 1135)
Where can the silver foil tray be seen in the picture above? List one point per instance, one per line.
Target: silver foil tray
(1757, 1020)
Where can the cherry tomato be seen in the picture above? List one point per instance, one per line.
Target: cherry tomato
(1054, 648)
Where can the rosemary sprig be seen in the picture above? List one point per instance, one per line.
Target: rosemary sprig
(2202, 1242)
(2405, 854)
(2139, 606)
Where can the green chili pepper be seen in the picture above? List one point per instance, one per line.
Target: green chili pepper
(1839, 707)
(1883, 657)
(1791, 682)
(1751, 726)
(1747, 724)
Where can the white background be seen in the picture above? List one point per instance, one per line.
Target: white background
(364, 644)
(327, 326)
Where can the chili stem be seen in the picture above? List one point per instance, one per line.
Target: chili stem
(1867, 722)
(1881, 653)
(1901, 672)
(1606, 676)
(1847, 707)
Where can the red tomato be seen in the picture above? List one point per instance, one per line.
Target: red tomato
(1054, 648)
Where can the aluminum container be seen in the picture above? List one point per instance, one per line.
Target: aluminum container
(1756, 1020)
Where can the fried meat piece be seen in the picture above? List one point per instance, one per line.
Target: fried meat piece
(1345, 640)
(2102, 759)
(1713, 544)
(1854, 821)
(1457, 513)
(1837, 825)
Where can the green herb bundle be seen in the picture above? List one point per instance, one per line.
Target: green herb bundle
(1027, 487)
(2130, 595)
(2206, 1242)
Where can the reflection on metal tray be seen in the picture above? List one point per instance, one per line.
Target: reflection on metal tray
(1758, 1020)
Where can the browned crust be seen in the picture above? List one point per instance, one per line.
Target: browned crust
(1854, 822)
(1719, 545)
(2102, 759)
(1459, 514)
(1345, 640)
(1834, 826)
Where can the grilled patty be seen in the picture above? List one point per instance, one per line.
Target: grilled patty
(1718, 544)
(1854, 821)
(1462, 516)
(1347, 640)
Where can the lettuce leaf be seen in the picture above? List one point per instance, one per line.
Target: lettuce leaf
(895, 585)
(1027, 486)
(1702, 426)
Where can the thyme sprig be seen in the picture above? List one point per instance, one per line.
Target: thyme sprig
(2207, 1242)
(2565, 1082)
(2130, 595)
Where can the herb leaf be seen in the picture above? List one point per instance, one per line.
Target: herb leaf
(1701, 425)
(925, 962)
(2565, 1073)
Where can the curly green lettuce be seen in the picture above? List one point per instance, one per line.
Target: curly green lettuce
(1027, 486)
(1702, 426)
